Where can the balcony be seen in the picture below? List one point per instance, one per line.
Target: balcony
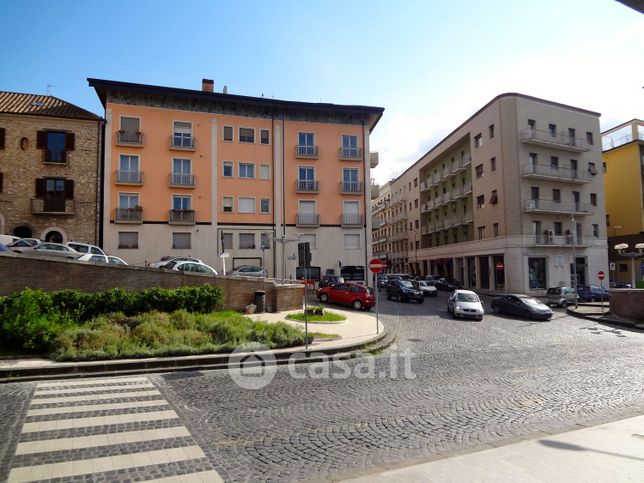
(350, 154)
(129, 138)
(542, 171)
(424, 208)
(128, 177)
(374, 159)
(181, 180)
(54, 207)
(399, 217)
(550, 239)
(378, 207)
(375, 191)
(558, 207)
(350, 187)
(129, 215)
(351, 219)
(307, 186)
(182, 217)
(561, 141)
(183, 143)
(307, 219)
(377, 241)
(375, 222)
(427, 229)
(398, 198)
(307, 152)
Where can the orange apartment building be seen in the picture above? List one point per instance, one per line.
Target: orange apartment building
(202, 173)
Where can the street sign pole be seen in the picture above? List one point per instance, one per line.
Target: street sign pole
(601, 276)
(376, 265)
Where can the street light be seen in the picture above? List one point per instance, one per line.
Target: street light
(621, 249)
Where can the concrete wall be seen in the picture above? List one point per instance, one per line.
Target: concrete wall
(628, 304)
(17, 273)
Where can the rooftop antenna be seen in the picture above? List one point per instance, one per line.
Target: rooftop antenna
(49, 86)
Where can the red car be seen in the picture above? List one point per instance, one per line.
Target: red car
(357, 296)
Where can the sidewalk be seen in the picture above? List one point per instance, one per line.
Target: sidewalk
(593, 311)
(355, 333)
(608, 452)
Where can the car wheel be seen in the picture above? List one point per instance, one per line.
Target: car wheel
(357, 305)
(324, 297)
(564, 304)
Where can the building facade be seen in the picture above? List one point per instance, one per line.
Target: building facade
(203, 173)
(623, 151)
(49, 169)
(512, 200)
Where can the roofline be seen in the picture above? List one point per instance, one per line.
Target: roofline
(495, 99)
(100, 85)
(619, 126)
(96, 116)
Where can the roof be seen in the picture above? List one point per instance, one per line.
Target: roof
(102, 87)
(39, 105)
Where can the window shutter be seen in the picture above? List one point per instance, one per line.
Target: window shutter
(1, 138)
(41, 139)
(70, 141)
(69, 189)
(40, 187)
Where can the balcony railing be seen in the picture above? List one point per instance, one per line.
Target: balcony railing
(40, 206)
(374, 159)
(558, 140)
(551, 206)
(351, 154)
(375, 191)
(308, 219)
(182, 180)
(375, 222)
(350, 187)
(308, 152)
(129, 138)
(185, 143)
(402, 216)
(562, 174)
(351, 219)
(551, 239)
(182, 217)
(398, 198)
(129, 215)
(128, 177)
(307, 186)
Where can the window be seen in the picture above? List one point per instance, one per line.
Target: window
(247, 240)
(55, 145)
(264, 136)
(182, 172)
(181, 202)
(479, 170)
(491, 129)
(416, 224)
(481, 232)
(128, 169)
(306, 144)
(604, 166)
(264, 171)
(533, 159)
(558, 228)
(416, 203)
(595, 230)
(306, 180)
(532, 124)
(182, 134)
(592, 169)
(589, 138)
(265, 242)
(351, 241)
(607, 219)
(593, 199)
(552, 129)
(227, 204)
(350, 146)
(246, 135)
(495, 229)
(480, 201)
(128, 239)
(477, 141)
(228, 169)
(227, 133)
(246, 170)
(494, 198)
(556, 195)
(537, 273)
(554, 162)
(415, 182)
(350, 180)
(264, 205)
(246, 205)
(181, 241)
(130, 126)
(227, 240)
(128, 200)
(351, 213)
(492, 164)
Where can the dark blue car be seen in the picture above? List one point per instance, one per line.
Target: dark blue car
(592, 293)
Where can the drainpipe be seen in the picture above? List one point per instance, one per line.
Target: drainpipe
(100, 188)
(273, 191)
(364, 157)
(283, 199)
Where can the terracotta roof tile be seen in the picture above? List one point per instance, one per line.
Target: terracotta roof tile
(38, 105)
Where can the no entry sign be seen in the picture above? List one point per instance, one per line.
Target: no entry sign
(376, 265)
(600, 275)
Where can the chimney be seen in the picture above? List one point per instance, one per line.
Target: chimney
(207, 85)
(225, 89)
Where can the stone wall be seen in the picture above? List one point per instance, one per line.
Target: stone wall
(628, 304)
(19, 272)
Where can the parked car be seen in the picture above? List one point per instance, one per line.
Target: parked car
(403, 290)
(448, 284)
(248, 271)
(427, 289)
(465, 303)
(592, 293)
(330, 280)
(352, 294)
(85, 248)
(57, 250)
(382, 281)
(521, 305)
(194, 267)
(433, 278)
(561, 296)
(4, 249)
(165, 260)
(25, 242)
(107, 259)
(7, 239)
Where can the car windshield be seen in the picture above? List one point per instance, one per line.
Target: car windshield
(467, 297)
(406, 283)
(529, 301)
(369, 290)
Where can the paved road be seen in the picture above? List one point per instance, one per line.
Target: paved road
(474, 384)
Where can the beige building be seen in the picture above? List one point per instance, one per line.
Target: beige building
(505, 202)
(49, 169)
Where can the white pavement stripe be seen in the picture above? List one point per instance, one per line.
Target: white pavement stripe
(202, 476)
(52, 391)
(109, 439)
(96, 407)
(61, 424)
(82, 382)
(95, 397)
(107, 463)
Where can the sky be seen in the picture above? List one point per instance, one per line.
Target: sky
(431, 64)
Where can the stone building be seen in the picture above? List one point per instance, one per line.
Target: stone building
(50, 153)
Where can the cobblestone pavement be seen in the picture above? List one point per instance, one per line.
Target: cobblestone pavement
(475, 384)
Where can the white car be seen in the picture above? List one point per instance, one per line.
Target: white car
(428, 289)
(57, 250)
(194, 267)
(86, 248)
(165, 261)
(465, 303)
(248, 271)
(25, 242)
(107, 259)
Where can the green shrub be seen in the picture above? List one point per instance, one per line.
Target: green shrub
(315, 310)
(183, 320)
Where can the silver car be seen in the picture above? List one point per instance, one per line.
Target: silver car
(465, 303)
(47, 249)
(248, 271)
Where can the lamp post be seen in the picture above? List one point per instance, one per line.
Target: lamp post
(621, 249)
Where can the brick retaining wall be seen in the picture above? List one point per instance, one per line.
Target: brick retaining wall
(628, 304)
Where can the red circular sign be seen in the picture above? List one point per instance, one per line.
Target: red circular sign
(377, 265)
(601, 275)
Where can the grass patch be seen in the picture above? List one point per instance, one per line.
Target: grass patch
(322, 335)
(325, 318)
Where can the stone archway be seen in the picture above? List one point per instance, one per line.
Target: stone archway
(54, 234)
(22, 231)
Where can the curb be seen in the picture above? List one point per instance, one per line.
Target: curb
(598, 318)
(183, 363)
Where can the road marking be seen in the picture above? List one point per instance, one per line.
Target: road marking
(96, 397)
(95, 407)
(87, 382)
(57, 390)
(60, 424)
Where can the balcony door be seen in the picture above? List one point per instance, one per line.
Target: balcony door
(351, 213)
(181, 171)
(54, 200)
(306, 180)
(350, 179)
(128, 169)
(182, 134)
